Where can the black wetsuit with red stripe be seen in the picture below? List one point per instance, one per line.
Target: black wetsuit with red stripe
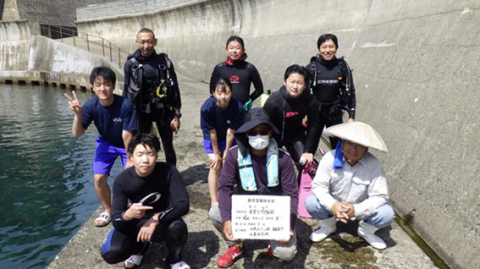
(286, 114)
(241, 74)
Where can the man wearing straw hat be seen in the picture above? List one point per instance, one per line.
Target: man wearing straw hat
(350, 184)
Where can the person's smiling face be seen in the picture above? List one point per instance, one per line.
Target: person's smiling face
(353, 152)
(146, 42)
(234, 50)
(327, 50)
(103, 88)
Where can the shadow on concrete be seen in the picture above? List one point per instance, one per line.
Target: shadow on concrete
(196, 182)
(351, 228)
(199, 250)
(256, 252)
(384, 233)
(195, 174)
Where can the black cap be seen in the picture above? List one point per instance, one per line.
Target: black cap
(254, 117)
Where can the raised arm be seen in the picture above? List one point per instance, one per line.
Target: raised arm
(76, 107)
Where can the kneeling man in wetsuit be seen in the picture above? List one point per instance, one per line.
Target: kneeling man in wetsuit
(258, 154)
(158, 199)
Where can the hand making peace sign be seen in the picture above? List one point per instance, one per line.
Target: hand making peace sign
(74, 104)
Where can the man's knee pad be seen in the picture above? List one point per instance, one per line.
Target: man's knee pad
(214, 212)
(108, 250)
(286, 254)
(177, 231)
(110, 258)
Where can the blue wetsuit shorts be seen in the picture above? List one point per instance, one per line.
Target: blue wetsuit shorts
(207, 144)
(105, 156)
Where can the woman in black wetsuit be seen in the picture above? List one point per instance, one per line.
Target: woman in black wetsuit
(240, 73)
(331, 83)
(287, 108)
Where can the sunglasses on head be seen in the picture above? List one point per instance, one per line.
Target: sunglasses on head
(255, 133)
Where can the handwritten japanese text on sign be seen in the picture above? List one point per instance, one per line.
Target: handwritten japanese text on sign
(261, 217)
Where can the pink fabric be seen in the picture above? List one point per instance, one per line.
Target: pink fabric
(305, 188)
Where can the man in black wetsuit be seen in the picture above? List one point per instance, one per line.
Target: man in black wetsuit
(240, 73)
(155, 219)
(151, 84)
(287, 108)
(331, 83)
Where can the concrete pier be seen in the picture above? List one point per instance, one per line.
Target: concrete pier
(415, 70)
(415, 66)
(205, 245)
(29, 58)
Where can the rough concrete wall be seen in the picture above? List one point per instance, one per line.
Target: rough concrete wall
(26, 56)
(10, 11)
(14, 41)
(55, 12)
(126, 7)
(415, 68)
(48, 11)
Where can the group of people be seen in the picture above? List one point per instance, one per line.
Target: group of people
(245, 148)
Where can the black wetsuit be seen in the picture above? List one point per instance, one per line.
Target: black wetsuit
(121, 241)
(162, 111)
(241, 74)
(329, 86)
(287, 114)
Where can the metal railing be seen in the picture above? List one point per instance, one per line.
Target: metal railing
(91, 43)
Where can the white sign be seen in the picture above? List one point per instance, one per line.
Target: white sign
(261, 217)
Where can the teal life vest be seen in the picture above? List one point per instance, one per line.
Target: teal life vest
(245, 167)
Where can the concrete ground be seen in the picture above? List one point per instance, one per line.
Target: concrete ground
(343, 249)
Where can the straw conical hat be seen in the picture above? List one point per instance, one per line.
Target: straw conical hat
(358, 132)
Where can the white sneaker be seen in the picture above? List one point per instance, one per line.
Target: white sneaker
(367, 232)
(181, 265)
(327, 227)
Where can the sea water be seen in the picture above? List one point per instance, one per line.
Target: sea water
(46, 174)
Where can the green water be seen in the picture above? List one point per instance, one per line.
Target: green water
(46, 178)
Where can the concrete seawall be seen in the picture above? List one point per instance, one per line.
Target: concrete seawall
(27, 57)
(415, 69)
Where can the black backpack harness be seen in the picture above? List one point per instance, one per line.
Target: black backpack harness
(334, 110)
(159, 94)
